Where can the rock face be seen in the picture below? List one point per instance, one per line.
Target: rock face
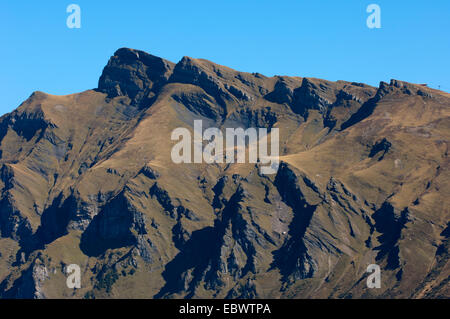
(88, 179)
(135, 74)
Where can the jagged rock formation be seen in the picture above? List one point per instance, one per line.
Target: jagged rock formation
(87, 179)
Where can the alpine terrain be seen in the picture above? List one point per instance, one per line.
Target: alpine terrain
(88, 179)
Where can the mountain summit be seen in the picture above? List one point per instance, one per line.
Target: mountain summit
(87, 179)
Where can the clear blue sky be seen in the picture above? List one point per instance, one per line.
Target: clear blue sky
(325, 39)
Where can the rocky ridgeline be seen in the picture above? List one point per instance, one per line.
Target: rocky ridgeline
(94, 186)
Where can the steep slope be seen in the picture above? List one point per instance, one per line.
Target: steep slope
(88, 179)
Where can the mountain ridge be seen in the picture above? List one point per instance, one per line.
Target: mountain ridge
(87, 178)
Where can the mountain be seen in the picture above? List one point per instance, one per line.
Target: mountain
(88, 179)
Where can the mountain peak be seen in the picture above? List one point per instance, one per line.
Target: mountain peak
(363, 178)
(135, 74)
